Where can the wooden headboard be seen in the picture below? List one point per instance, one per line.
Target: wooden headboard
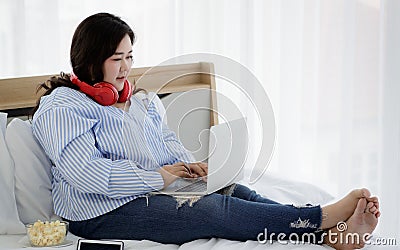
(18, 95)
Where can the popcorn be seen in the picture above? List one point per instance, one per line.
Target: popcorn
(47, 233)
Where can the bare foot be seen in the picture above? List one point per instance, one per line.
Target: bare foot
(343, 209)
(353, 233)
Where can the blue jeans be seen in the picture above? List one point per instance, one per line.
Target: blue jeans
(242, 216)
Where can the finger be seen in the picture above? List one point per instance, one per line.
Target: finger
(204, 166)
(188, 169)
(179, 164)
(175, 170)
(185, 174)
(197, 169)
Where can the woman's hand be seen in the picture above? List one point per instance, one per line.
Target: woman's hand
(170, 173)
(198, 169)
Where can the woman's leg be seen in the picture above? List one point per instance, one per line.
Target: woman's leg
(213, 215)
(332, 214)
(245, 193)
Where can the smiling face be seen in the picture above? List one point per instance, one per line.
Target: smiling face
(116, 68)
(100, 47)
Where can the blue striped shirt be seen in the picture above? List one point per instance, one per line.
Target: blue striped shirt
(103, 157)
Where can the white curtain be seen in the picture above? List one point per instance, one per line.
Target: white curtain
(329, 67)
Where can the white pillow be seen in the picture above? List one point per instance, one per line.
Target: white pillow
(32, 173)
(288, 191)
(9, 221)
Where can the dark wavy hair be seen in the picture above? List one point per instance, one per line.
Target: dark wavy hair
(95, 39)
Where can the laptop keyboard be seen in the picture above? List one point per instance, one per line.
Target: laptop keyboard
(198, 186)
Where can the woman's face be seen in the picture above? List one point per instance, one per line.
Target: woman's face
(116, 68)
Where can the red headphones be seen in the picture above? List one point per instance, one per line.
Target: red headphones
(103, 93)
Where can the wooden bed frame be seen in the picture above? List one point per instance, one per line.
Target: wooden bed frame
(18, 95)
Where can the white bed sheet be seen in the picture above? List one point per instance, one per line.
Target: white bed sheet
(12, 242)
(273, 187)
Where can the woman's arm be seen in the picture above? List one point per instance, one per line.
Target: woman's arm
(84, 168)
(69, 141)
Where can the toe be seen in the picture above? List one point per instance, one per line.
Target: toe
(365, 193)
(373, 199)
(361, 205)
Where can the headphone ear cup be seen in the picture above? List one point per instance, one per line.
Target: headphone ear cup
(126, 92)
(104, 93)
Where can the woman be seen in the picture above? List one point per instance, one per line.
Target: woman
(109, 151)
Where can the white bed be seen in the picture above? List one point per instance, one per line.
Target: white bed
(278, 188)
(25, 185)
(272, 186)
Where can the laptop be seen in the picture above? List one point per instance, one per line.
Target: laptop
(228, 146)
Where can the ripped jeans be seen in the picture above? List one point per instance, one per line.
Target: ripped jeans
(244, 215)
